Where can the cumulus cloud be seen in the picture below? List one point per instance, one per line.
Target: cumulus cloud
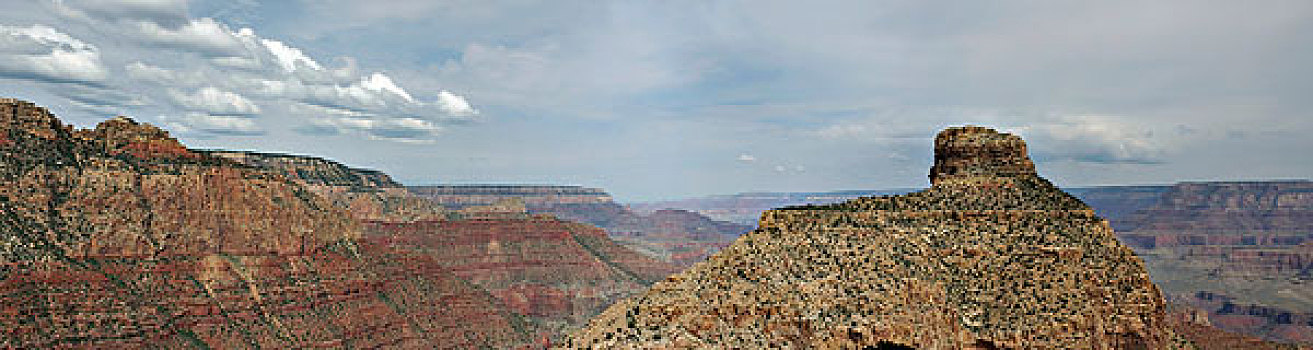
(337, 121)
(204, 35)
(455, 105)
(220, 79)
(213, 124)
(211, 100)
(378, 82)
(1095, 139)
(289, 57)
(42, 53)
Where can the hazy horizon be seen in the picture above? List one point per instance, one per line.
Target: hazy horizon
(667, 100)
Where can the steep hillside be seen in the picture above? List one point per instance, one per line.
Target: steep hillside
(556, 274)
(991, 256)
(120, 236)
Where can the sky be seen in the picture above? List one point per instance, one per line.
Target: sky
(655, 100)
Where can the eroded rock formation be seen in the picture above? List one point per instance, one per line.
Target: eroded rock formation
(991, 256)
(367, 194)
(120, 237)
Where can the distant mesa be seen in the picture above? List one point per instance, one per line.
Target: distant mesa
(991, 256)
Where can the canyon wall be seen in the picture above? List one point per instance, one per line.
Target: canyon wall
(366, 194)
(675, 236)
(1242, 251)
(119, 236)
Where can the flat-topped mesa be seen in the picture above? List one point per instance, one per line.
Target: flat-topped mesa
(973, 152)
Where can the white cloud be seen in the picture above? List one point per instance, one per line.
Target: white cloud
(205, 36)
(746, 158)
(211, 100)
(1096, 139)
(170, 13)
(406, 130)
(455, 105)
(378, 82)
(220, 79)
(288, 57)
(213, 124)
(43, 53)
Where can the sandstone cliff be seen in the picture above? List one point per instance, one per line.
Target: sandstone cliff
(991, 256)
(366, 194)
(120, 236)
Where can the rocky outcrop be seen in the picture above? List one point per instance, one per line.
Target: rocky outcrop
(121, 237)
(366, 194)
(991, 256)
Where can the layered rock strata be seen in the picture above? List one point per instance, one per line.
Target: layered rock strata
(1243, 251)
(555, 274)
(120, 237)
(367, 194)
(991, 256)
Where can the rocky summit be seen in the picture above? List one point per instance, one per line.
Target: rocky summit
(991, 256)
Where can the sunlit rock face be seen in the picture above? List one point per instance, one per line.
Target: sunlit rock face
(366, 194)
(991, 256)
(120, 237)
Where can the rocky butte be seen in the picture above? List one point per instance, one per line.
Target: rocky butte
(990, 256)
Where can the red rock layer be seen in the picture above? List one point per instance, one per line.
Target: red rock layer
(120, 237)
(366, 194)
(328, 299)
(556, 273)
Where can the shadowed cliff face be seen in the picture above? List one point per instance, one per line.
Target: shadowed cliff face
(121, 237)
(991, 256)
